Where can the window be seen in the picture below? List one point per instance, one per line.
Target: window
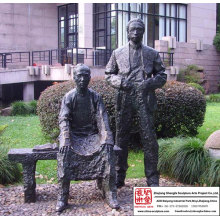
(217, 17)
(68, 25)
(162, 19)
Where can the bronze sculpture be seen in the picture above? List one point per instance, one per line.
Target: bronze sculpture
(85, 141)
(136, 71)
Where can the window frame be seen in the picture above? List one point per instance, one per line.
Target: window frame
(176, 19)
(67, 21)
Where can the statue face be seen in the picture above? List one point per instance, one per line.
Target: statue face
(135, 32)
(82, 78)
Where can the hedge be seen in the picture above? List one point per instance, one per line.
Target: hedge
(181, 108)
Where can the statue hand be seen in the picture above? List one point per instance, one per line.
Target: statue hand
(108, 146)
(126, 85)
(64, 149)
(145, 85)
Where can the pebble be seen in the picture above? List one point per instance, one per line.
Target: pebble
(85, 199)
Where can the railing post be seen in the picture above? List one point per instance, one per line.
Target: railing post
(72, 57)
(4, 61)
(51, 58)
(32, 56)
(172, 59)
(77, 55)
(29, 58)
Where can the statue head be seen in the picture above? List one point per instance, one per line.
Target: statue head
(135, 30)
(82, 76)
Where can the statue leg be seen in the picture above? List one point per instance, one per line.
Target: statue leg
(123, 127)
(63, 183)
(150, 145)
(108, 184)
(63, 194)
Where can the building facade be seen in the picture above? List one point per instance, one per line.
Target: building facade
(56, 34)
(48, 26)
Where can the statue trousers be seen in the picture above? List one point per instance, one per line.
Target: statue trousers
(130, 104)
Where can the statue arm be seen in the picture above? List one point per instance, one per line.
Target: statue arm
(159, 76)
(103, 124)
(111, 72)
(64, 123)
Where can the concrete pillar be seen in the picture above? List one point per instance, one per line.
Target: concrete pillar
(28, 91)
(86, 30)
(0, 91)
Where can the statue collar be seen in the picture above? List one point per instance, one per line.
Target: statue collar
(135, 46)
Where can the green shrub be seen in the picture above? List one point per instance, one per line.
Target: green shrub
(190, 74)
(183, 158)
(216, 41)
(9, 171)
(190, 162)
(24, 108)
(33, 107)
(213, 98)
(48, 107)
(167, 152)
(212, 174)
(197, 86)
(181, 108)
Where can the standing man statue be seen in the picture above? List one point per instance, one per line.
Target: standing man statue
(136, 71)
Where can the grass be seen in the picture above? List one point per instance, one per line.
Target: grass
(211, 123)
(25, 132)
(136, 164)
(22, 132)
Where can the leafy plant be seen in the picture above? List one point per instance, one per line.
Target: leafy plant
(212, 174)
(190, 74)
(183, 158)
(213, 98)
(9, 171)
(197, 86)
(167, 152)
(216, 41)
(24, 108)
(190, 161)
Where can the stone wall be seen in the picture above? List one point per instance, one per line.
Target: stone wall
(201, 22)
(25, 27)
(186, 54)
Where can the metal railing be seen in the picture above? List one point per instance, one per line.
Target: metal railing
(62, 56)
(167, 58)
(90, 56)
(15, 59)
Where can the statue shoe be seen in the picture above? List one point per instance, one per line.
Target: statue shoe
(99, 184)
(61, 205)
(112, 201)
(154, 185)
(120, 184)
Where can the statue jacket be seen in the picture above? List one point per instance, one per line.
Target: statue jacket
(100, 122)
(119, 68)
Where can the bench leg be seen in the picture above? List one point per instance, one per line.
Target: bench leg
(29, 182)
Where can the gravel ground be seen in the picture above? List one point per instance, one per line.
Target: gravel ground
(85, 200)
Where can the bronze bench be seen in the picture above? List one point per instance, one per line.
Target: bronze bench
(28, 157)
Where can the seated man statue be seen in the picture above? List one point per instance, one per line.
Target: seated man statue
(85, 141)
